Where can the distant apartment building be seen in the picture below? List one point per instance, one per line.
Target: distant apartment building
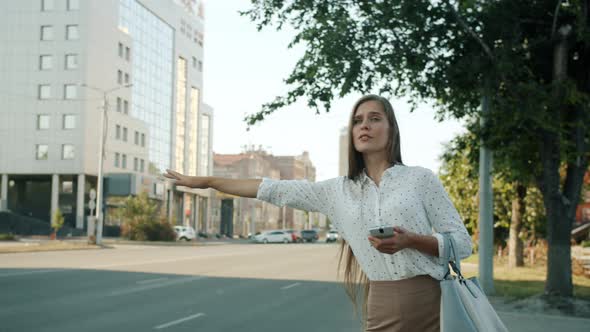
(241, 216)
(58, 61)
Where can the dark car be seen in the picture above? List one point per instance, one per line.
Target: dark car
(295, 235)
(309, 235)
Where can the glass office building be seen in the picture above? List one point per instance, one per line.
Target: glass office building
(152, 66)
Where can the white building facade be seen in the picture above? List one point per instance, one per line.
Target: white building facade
(59, 59)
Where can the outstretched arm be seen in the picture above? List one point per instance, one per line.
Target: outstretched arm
(239, 187)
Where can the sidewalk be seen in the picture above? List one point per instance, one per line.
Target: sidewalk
(43, 243)
(532, 314)
(530, 322)
(31, 245)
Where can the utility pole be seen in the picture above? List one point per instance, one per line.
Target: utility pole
(102, 139)
(486, 210)
(99, 189)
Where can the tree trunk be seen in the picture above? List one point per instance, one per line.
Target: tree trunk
(559, 261)
(515, 245)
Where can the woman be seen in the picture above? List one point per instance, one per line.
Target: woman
(400, 273)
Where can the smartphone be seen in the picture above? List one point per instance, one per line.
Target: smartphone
(381, 231)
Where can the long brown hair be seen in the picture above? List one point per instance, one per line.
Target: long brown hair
(355, 280)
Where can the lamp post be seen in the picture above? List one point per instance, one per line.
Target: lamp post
(99, 189)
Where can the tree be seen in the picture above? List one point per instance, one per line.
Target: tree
(460, 161)
(531, 57)
(57, 222)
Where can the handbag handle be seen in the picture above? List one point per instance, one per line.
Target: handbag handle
(451, 257)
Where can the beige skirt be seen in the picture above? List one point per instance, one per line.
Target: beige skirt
(411, 305)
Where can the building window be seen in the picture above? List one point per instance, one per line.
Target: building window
(127, 53)
(126, 78)
(136, 138)
(47, 5)
(181, 80)
(194, 62)
(46, 32)
(141, 166)
(45, 62)
(124, 134)
(118, 132)
(70, 91)
(117, 157)
(120, 50)
(69, 121)
(44, 91)
(204, 148)
(73, 4)
(124, 161)
(119, 104)
(67, 187)
(42, 151)
(201, 66)
(126, 107)
(67, 151)
(119, 77)
(43, 121)
(135, 164)
(72, 32)
(71, 61)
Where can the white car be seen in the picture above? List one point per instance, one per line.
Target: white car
(273, 236)
(332, 236)
(186, 233)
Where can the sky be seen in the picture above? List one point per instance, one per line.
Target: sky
(244, 68)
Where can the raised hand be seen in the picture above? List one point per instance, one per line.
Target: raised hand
(187, 181)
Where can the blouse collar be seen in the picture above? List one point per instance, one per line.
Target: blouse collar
(365, 178)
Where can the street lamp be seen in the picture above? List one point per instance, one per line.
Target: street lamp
(105, 106)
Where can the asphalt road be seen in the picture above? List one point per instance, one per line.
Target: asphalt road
(142, 288)
(230, 287)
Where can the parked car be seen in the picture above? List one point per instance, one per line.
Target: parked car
(309, 235)
(273, 236)
(186, 233)
(295, 235)
(332, 236)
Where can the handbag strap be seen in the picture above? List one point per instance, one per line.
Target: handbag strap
(453, 261)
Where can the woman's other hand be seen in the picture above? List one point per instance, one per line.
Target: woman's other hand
(400, 240)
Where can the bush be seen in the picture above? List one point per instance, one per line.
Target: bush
(148, 230)
(141, 222)
(586, 243)
(6, 237)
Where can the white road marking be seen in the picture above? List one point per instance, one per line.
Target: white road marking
(154, 286)
(178, 321)
(291, 286)
(149, 281)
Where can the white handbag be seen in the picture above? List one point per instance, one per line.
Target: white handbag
(464, 306)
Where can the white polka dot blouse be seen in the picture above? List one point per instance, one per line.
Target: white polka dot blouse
(410, 197)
